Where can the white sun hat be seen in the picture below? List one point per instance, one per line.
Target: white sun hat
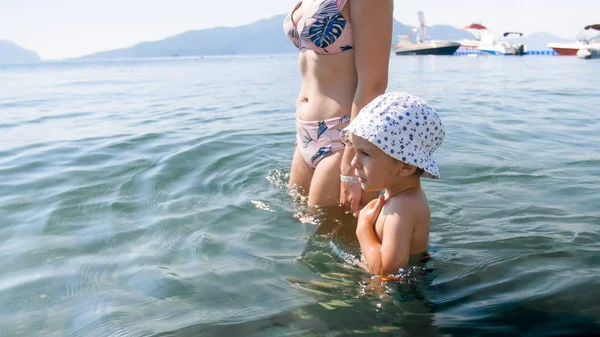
(403, 126)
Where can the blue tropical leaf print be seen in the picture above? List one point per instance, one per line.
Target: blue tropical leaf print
(323, 152)
(293, 33)
(346, 47)
(328, 26)
(304, 136)
(344, 119)
(322, 128)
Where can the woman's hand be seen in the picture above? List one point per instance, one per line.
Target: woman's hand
(350, 194)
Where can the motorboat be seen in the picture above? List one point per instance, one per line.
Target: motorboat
(476, 29)
(588, 38)
(489, 45)
(589, 52)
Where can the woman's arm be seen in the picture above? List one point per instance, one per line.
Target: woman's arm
(372, 31)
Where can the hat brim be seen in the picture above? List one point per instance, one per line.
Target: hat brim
(430, 168)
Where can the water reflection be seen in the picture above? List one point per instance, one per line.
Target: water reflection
(348, 299)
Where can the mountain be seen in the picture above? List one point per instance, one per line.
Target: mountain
(261, 37)
(445, 32)
(10, 53)
(265, 36)
(539, 41)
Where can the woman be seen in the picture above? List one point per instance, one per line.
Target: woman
(344, 56)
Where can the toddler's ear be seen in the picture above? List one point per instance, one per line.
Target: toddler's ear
(404, 169)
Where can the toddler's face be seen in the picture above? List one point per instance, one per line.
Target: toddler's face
(373, 166)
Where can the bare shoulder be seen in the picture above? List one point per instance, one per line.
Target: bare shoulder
(408, 214)
(412, 204)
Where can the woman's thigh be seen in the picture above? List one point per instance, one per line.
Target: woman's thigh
(325, 183)
(300, 173)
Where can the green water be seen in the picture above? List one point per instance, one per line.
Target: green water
(148, 198)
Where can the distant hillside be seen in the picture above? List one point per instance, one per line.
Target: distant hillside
(261, 37)
(11, 53)
(539, 41)
(445, 32)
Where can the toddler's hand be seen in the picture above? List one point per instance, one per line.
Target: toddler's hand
(368, 215)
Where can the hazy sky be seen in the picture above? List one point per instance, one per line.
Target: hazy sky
(58, 29)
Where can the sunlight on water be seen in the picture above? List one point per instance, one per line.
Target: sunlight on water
(150, 198)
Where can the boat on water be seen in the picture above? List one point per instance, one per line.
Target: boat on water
(405, 46)
(589, 53)
(489, 45)
(588, 38)
(476, 29)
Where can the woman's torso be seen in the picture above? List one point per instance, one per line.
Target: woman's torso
(329, 77)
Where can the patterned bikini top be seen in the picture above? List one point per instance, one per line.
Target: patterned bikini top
(322, 28)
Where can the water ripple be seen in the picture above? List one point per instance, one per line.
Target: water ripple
(133, 204)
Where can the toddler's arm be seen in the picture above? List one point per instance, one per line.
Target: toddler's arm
(386, 257)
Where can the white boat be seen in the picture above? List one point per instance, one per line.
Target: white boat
(585, 40)
(476, 29)
(490, 46)
(567, 49)
(589, 52)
